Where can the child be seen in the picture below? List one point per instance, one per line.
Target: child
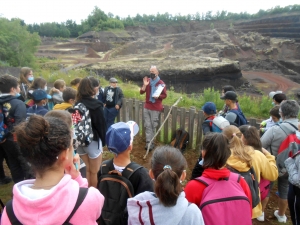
(38, 83)
(47, 145)
(25, 81)
(40, 101)
(273, 120)
(168, 204)
(119, 138)
(217, 177)
(209, 110)
(68, 95)
(15, 113)
(75, 83)
(92, 154)
(242, 142)
(56, 91)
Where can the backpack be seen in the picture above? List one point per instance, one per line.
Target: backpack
(3, 126)
(264, 187)
(2, 208)
(218, 124)
(116, 188)
(240, 119)
(288, 147)
(14, 220)
(224, 201)
(180, 139)
(82, 124)
(251, 179)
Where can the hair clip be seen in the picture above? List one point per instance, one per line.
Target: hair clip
(234, 134)
(167, 167)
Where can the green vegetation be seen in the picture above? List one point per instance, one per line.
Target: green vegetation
(99, 21)
(17, 45)
(253, 107)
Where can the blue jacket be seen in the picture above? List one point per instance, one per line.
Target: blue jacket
(39, 110)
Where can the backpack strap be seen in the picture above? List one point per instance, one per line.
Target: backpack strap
(208, 181)
(107, 166)
(14, 221)
(130, 169)
(10, 213)
(81, 196)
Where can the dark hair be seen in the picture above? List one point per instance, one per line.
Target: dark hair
(75, 81)
(167, 181)
(279, 97)
(216, 149)
(64, 115)
(41, 140)
(86, 88)
(275, 111)
(69, 93)
(251, 135)
(38, 83)
(228, 88)
(7, 82)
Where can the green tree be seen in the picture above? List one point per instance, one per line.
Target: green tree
(17, 44)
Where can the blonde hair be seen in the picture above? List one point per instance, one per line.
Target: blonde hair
(237, 146)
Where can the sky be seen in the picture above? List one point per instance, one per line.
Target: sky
(40, 11)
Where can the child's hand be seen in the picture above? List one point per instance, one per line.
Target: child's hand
(71, 169)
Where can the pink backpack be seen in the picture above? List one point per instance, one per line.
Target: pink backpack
(264, 187)
(224, 201)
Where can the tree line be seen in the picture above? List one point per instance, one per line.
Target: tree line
(99, 21)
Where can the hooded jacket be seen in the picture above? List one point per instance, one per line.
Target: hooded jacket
(272, 138)
(97, 116)
(293, 167)
(145, 208)
(56, 206)
(264, 167)
(62, 106)
(16, 110)
(39, 110)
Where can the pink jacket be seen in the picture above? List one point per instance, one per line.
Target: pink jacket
(55, 207)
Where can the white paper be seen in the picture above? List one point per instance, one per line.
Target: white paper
(158, 90)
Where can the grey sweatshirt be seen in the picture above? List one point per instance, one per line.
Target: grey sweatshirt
(273, 137)
(145, 209)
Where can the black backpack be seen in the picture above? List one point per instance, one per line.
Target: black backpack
(116, 188)
(180, 139)
(14, 220)
(251, 179)
(240, 118)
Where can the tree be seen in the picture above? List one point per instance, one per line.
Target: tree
(17, 44)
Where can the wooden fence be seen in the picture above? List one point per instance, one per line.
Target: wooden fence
(190, 119)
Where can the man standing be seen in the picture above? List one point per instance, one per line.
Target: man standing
(113, 97)
(234, 114)
(156, 91)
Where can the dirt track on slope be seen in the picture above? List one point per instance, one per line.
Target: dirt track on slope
(267, 81)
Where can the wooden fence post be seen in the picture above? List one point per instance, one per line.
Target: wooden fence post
(200, 119)
(182, 117)
(191, 125)
(130, 110)
(174, 119)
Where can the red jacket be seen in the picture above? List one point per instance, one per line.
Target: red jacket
(157, 105)
(194, 189)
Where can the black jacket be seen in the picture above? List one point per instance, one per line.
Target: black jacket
(16, 111)
(118, 98)
(97, 116)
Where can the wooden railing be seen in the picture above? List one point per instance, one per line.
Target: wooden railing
(190, 119)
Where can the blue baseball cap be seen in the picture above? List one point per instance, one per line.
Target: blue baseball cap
(120, 136)
(39, 94)
(209, 108)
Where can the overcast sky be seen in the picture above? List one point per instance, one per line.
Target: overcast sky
(39, 11)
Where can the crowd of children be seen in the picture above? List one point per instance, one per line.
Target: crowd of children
(230, 183)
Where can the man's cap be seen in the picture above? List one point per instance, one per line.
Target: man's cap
(231, 95)
(272, 93)
(120, 136)
(113, 80)
(209, 108)
(40, 94)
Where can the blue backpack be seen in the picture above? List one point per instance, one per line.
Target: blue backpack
(240, 119)
(219, 120)
(3, 126)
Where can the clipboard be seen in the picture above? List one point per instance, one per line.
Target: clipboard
(158, 90)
